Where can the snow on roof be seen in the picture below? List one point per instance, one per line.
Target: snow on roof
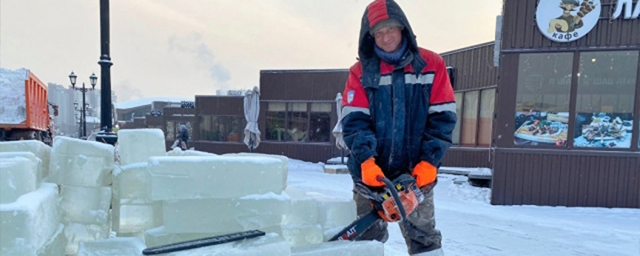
(148, 101)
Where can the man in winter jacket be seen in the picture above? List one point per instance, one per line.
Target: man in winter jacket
(183, 137)
(398, 116)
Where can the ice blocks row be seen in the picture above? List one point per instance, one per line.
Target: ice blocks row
(37, 148)
(28, 224)
(133, 211)
(31, 157)
(77, 162)
(137, 145)
(112, 247)
(18, 176)
(214, 177)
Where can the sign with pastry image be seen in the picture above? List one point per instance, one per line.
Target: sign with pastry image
(541, 128)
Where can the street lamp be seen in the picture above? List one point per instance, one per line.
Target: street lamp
(93, 79)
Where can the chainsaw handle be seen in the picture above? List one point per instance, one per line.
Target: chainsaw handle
(394, 194)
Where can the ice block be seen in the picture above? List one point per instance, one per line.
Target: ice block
(28, 223)
(284, 161)
(159, 236)
(303, 235)
(131, 181)
(225, 215)
(81, 163)
(78, 232)
(131, 216)
(269, 245)
(137, 145)
(112, 247)
(334, 212)
(214, 177)
(39, 149)
(87, 205)
(56, 245)
(342, 248)
(27, 155)
(179, 152)
(303, 209)
(18, 176)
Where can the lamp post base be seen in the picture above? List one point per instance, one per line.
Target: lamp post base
(107, 137)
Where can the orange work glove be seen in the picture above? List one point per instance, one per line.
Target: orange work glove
(370, 172)
(425, 173)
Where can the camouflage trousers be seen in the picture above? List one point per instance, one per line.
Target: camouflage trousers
(419, 229)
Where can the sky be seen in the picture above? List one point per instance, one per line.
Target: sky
(183, 48)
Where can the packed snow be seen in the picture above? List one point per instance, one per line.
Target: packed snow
(13, 108)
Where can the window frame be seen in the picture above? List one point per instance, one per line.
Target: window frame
(573, 102)
(308, 119)
(241, 119)
(460, 117)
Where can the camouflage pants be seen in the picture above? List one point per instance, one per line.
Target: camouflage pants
(419, 229)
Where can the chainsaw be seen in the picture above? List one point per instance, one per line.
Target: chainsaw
(392, 203)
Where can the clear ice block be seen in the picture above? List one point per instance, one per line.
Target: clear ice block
(334, 212)
(225, 215)
(39, 149)
(303, 209)
(303, 235)
(112, 247)
(137, 145)
(81, 163)
(78, 232)
(131, 182)
(28, 223)
(27, 155)
(269, 245)
(214, 177)
(342, 248)
(88, 205)
(179, 152)
(159, 236)
(132, 216)
(18, 176)
(284, 161)
(56, 245)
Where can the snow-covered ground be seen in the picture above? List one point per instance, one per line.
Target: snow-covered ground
(471, 226)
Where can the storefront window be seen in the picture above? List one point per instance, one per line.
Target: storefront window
(542, 101)
(222, 128)
(470, 118)
(487, 101)
(170, 133)
(456, 130)
(276, 112)
(297, 129)
(320, 122)
(605, 99)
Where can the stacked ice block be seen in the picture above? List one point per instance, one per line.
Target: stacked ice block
(133, 211)
(37, 148)
(112, 247)
(30, 225)
(83, 169)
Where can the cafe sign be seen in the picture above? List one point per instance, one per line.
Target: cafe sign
(567, 20)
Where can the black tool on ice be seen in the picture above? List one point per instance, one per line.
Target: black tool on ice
(397, 200)
(202, 242)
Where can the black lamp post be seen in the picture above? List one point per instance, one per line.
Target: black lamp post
(105, 83)
(83, 119)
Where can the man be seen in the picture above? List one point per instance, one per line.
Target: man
(398, 116)
(183, 137)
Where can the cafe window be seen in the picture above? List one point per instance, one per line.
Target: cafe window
(320, 122)
(470, 118)
(456, 130)
(485, 123)
(542, 99)
(170, 133)
(605, 99)
(298, 126)
(275, 117)
(222, 128)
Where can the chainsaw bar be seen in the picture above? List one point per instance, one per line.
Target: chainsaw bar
(202, 242)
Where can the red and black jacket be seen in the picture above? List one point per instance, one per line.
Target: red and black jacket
(398, 114)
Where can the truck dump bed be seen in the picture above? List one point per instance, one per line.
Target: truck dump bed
(23, 101)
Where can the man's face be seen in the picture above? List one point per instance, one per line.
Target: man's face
(388, 38)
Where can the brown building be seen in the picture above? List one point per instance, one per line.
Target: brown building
(557, 120)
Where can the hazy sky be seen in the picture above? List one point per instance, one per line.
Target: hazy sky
(183, 48)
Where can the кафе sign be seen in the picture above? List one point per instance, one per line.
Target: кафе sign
(570, 20)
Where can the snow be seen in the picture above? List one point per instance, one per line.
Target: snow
(12, 95)
(148, 101)
(470, 225)
(267, 196)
